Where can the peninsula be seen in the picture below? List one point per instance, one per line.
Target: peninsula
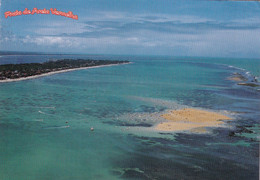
(17, 72)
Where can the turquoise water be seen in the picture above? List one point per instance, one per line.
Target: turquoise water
(45, 123)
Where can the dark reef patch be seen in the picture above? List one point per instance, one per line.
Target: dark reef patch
(175, 159)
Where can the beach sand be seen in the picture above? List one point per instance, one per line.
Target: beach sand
(194, 120)
(235, 79)
(56, 72)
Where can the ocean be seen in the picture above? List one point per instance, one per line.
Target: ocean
(45, 123)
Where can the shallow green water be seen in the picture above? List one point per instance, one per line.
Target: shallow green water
(45, 123)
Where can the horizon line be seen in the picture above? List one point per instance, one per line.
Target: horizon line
(9, 53)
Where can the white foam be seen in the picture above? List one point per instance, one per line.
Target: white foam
(230, 66)
(41, 112)
(51, 107)
(57, 127)
(46, 113)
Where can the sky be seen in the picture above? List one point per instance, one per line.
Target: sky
(135, 27)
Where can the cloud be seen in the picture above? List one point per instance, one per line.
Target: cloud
(114, 23)
(120, 24)
(61, 27)
(119, 33)
(51, 41)
(218, 42)
(123, 24)
(78, 42)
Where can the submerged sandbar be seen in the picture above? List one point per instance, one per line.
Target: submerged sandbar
(189, 119)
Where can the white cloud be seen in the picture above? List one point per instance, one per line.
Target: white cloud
(127, 17)
(61, 27)
(227, 43)
(116, 32)
(52, 41)
(215, 43)
(79, 42)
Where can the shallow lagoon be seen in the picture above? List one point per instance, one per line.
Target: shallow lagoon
(45, 123)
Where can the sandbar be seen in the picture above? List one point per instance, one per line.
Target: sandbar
(190, 119)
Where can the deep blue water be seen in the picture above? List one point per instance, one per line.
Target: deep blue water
(45, 123)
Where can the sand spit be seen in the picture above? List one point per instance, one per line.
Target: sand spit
(189, 119)
(56, 72)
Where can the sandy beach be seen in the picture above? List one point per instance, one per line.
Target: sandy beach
(194, 120)
(55, 72)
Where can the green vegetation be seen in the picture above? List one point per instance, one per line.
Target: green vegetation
(248, 84)
(14, 71)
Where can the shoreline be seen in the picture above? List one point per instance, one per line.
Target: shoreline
(243, 81)
(56, 72)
